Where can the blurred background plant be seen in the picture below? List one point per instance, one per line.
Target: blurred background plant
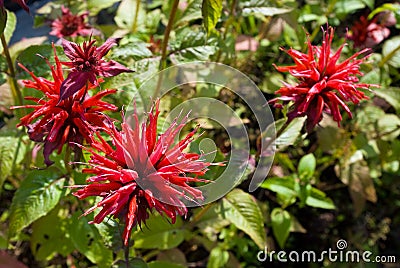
(329, 184)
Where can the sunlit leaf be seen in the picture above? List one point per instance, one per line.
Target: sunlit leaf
(38, 194)
(88, 241)
(241, 210)
(218, 258)
(318, 199)
(159, 234)
(11, 152)
(306, 167)
(211, 11)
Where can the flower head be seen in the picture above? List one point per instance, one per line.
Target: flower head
(324, 83)
(86, 64)
(369, 33)
(71, 25)
(142, 172)
(70, 121)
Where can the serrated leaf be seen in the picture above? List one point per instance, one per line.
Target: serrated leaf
(192, 45)
(11, 152)
(211, 11)
(88, 241)
(318, 199)
(9, 28)
(242, 210)
(263, 8)
(390, 50)
(281, 223)
(306, 167)
(290, 134)
(159, 234)
(38, 194)
(136, 51)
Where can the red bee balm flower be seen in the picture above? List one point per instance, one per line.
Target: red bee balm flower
(142, 172)
(71, 25)
(87, 62)
(324, 84)
(72, 120)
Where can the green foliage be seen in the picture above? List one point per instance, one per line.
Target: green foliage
(37, 195)
(159, 234)
(11, 153)
(281, 222)
(242, 211)
(211, 11)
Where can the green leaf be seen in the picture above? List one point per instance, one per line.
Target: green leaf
(306, 167)
(290, 134)
(319, 199)
(159, 234)
(280, 185)
(50, 236)
(344, 7)
(191, 45)
(218, 258)
(30, 59)
(164, 264)
(390, 49)
(88, 241)
(211, 11)
(11, 152)
(110, 232)
(242, 210)
(125, 17)
(281, 222)
(263, 8)
(9, 28)
(95, 6)
(38, 194)
(137, 50)
(391, 95)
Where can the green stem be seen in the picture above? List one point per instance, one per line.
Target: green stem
(163, 60)
(14, 85)
(388, 57)
(134, 25)
(126, 255)
(199, 215)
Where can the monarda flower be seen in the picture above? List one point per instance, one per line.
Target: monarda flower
(324, 83)
(70, 121)
(369, 33)
(142, 172)
(70, 25)
(86, 64)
